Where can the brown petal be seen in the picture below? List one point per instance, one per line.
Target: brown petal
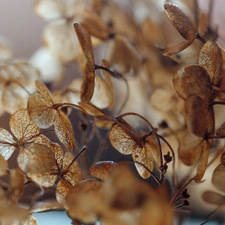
(101, 169)
(84, 200)
(221, 130)
(6, 141)
(122, 141)
(41, 111)
(93, 24)
(62, 190)
(180, 21)
(190, 149)
(22, 126)
(143, 156)
(72, 172)
(196, 115)
(87, 87)
(64, 130)
(210, 58)
(174, 48)
(213, 198)
(85, 42)
(192, 80)
(202, 164)
(3, 166)
(17, 183)
(30, 159)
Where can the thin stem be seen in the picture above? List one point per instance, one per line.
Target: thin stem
(173, 156)
(217, 103)
(71, 163)
(180, 191)
(209, 217)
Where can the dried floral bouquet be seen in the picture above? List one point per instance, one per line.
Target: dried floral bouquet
(148, 86)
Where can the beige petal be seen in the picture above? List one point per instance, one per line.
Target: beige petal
(22, 126)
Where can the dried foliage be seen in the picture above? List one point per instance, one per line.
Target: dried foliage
(141, 115)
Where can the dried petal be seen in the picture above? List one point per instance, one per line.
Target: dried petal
(65, 48)
(202, 164)
(101, 169)
(213, 198)
(72, 172)
(6, 141)
(117, 53)
(84, 200)
(17, 183)
(121, 141)
(190, 149)
(64, 130)
(85, 42)
(174, 48)
(40, 107)
(143, 156)
(22, 126)
(12, 214)
(93, 24)
(30, 158)
(210, 58)
(219, 175)
(180, 21)
(192, 80)
(196, 115)
(17, 81)
(62, 190)
(3, 166)
(88, 85)
(221, 130)
(102, 96)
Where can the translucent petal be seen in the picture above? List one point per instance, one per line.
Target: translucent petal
(62, 190)
(65, 47)
(22, 126)
(64, 130)
(6, 141)
(121, 141)
(103, 95)
(40, 111)
(30, 159)
(210, 58)
(143, 156)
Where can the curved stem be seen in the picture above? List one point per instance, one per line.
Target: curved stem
(154, 132)
(173, 156)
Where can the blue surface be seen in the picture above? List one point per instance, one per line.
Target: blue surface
(59, 218)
